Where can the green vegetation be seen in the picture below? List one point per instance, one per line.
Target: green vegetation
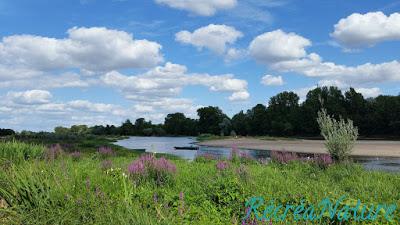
(340, 135)
(90, 189)
(283, 116)
(15, 152)
(210, 137)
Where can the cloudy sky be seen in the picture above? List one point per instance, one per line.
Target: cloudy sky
(102, 61)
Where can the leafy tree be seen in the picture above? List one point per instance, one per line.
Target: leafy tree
(209, 119)
(61, 130)
(225, 127)
(140, 125)
(178, 124)
(79, 129)
(127, 128)
(258, 120)
(240, 123)
(284, 112)
(356, 109)
(330, 98)
(6, 132)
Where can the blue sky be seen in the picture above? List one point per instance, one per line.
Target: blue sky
(102, 61)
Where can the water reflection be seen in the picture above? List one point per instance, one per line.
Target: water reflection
(167, 144)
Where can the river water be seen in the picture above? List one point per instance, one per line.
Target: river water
(167, 144)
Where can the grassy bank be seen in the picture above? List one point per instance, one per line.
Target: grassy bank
(95, 188)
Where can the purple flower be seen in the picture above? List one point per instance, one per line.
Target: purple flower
(323, 160)
(105, 151)
(76, 155)
(137, 167)
(53, 152)
(147, 167)
(222, 165)
(106, 164)
(284, 157)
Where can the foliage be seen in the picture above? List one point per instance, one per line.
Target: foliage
(149, 168)
(284, 157)
(76, 155)
(14, 151)
(6, 132)
(321, 160)
(81, 192)
(210, 119)
(283, 115)
(53, 152)
(340, 135)
(179, 124)
(105, 152)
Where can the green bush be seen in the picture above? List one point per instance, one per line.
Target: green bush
(17, 151)
(340, 135)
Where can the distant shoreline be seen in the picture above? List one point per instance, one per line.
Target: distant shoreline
(368, 148)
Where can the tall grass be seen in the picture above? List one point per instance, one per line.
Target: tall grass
(17, 151)
(68, 191)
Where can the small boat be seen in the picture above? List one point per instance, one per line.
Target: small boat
(187, 148)
(139, 149)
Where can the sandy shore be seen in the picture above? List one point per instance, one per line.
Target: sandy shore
(362, 148)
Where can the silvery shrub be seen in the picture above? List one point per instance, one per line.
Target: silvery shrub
(340, 135)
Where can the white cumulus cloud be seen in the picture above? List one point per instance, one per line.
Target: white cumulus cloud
(278, 46)
(270, 80)
(92, 49)
(360, 30)
(30, 97)
(369, 92)
(200, 7)
(272, 49)
(214, 37)
(169, 80)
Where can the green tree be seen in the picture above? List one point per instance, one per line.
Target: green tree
(356, 109)
(61, 130)
(79, 129)
(258, 120)
(225, 127)
(175, 124)
(330, 98)
(284, 112)
(240, 123)
(127, 128)
(209, 119)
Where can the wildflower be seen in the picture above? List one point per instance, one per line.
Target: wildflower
(242, 172)
(105, 151)
(106, 164)
(75, 155)
(182, 206)
(53, 152)
(222, 165)
(323, 160)
(283, 157)
(147, 167)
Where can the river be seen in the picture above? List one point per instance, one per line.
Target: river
(167, 144)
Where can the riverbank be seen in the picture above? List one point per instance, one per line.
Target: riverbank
(97, 187)
(362, 148)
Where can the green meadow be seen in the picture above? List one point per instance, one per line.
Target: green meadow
(61, 187)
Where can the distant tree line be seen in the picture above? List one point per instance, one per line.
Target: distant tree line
(6, 132)
(283, 115)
